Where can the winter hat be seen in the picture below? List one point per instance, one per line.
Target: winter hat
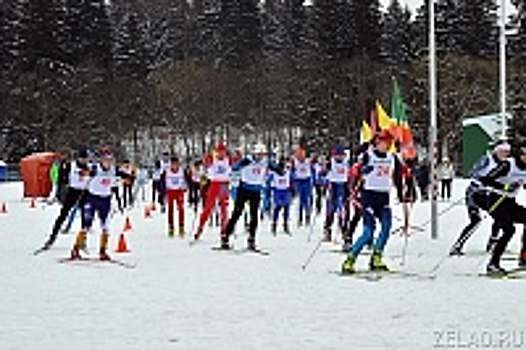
(339, 150)
(221, 147)
(260, 148)
(385, 135)
(502, 147)
(82, 153)
(105, 153)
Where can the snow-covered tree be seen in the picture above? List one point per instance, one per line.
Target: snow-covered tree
(335, 33)
(477, 27)
(365, 20)
(90, 32)
(397, 40)
(240, 34)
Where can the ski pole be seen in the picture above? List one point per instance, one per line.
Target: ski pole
(311, 256)
(445, 210)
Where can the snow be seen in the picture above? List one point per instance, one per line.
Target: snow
(182, 297)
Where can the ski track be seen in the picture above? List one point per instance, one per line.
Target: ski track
(181, 297)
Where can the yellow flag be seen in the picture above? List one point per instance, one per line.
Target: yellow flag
(384, 121)
(366, 133)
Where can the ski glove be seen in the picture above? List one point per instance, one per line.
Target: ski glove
(511, 187)
(367, 169)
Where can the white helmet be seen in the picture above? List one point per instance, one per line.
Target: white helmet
(260, 148)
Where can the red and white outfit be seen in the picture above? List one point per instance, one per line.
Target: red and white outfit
(218, 172)
(175, 188)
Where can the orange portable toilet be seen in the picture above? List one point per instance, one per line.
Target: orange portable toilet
(35, 174)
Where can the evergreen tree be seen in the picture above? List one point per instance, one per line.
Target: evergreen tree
(240, 33)
(90, 32)
(420, 30)
(174, 29)
(397, 40)
(334, 33)
(131, 47)
(518, 40)
(295, 17)
(43, 33)
(448, 26)
(366, 27)
(477, 27)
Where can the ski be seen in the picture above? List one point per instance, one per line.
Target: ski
(255, 251)
(242, 251)
(222, 249)
(510, 275)
(96, 260)
(377, 275)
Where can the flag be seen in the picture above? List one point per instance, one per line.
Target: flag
(366, 132)
(373, 121)
(398, 112)
(385, 123)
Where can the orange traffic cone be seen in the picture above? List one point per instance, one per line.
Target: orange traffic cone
(147, 213)
(33, 203)
(128, 225)
(3, 210)
(122, 247)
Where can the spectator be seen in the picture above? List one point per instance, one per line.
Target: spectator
(446, 173)
(422, 179)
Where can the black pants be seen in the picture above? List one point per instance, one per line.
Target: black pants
(446, 188)
(467, 232)
(115, 191)
(73, 197)
(319, 197)
(357, 216)
(505, 214)
(155, 190)
(253, 198)
(193, 194)
(127, 196)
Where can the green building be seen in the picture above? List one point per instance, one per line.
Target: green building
(478, 132)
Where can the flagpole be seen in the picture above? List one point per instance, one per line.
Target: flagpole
(433, 120)
(502, 49)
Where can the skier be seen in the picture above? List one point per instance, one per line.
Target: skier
(128, 181)
(156, 182)
(116, 193)
(281, 187)
(500, 153)
(320, 182)
(176, 186)
(337, 191)
(195, 184)
(98, 201)
(497, 196)
(355, 187)
(218, 172)
(303, 179)
(253, 174)
(377, 168)
(77, 183)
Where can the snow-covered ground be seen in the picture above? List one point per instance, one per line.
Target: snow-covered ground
(182, 297)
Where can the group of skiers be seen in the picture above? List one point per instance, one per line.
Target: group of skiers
(496, 180)
(88, 186)
(357, 182)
